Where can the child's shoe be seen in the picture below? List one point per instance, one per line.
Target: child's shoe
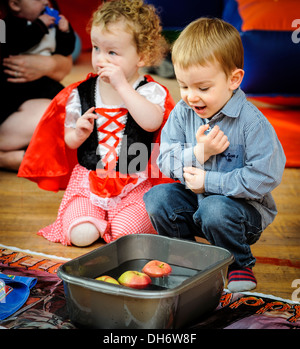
(241, 280)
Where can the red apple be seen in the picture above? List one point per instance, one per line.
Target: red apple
(134, 279)
(107, 278)
(157, 269)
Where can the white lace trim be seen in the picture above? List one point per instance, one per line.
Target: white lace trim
(111, 202)
(152, 91)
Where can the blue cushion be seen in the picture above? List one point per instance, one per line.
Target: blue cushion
(176, 14)
(271, 63)
(271, 57)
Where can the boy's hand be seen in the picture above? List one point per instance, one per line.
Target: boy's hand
(194, 179)
(208, 145)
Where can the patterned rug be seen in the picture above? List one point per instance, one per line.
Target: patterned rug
(45, 307)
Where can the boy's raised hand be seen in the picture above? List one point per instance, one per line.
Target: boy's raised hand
(215, 142)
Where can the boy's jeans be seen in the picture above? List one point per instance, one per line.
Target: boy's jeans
(233, 224)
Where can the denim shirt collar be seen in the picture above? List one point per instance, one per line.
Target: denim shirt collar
(233, 107)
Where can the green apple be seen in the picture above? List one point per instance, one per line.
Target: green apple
(134, 279)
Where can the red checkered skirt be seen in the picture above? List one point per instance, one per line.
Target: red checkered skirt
(127, 216)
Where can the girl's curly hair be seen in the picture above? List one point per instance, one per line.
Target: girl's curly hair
(142, 20)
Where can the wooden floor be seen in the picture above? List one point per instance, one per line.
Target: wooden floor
(24, 209)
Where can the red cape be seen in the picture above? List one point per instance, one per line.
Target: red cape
(49, 162)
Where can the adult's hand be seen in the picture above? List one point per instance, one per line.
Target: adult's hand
(25, 68)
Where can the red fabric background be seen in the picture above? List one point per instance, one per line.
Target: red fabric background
(79, 12)
(286, 123)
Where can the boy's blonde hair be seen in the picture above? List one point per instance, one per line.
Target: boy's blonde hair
(141, 20)
(209, 40)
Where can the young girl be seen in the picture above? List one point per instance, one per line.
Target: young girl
(106, 119)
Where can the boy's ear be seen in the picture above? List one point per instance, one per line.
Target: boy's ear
(236, 78)
(14, 5)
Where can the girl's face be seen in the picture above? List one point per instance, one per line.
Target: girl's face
(206, 89)
(28, 9)
(116, 46)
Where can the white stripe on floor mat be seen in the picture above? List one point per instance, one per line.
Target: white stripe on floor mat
(16, 249)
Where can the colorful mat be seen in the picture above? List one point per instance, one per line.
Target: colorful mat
(46, 308)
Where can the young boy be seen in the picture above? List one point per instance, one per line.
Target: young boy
(220, 147)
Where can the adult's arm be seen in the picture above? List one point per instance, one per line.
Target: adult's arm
(33, 67)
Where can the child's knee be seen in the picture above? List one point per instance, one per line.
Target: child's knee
(155, 199)
(148, 199)
(134, 223)
(214, 210)
(84, 234)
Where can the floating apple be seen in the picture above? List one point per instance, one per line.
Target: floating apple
(107, 278)
(157, 269)
(134, 279)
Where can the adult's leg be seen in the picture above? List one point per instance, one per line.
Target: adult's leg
(170, 208)
(16, 132)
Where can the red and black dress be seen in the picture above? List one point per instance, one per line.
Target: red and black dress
(109, 173)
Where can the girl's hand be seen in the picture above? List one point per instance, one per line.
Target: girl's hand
(194, 179)
(147, 114)
(84, 127)
(208, 145)
(112, 74)
(85, 124)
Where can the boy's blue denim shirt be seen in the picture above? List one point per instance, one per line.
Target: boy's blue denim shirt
(250, 168)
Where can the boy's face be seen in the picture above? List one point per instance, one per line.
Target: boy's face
(116, 47)
(28, 9)
(206, 89)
